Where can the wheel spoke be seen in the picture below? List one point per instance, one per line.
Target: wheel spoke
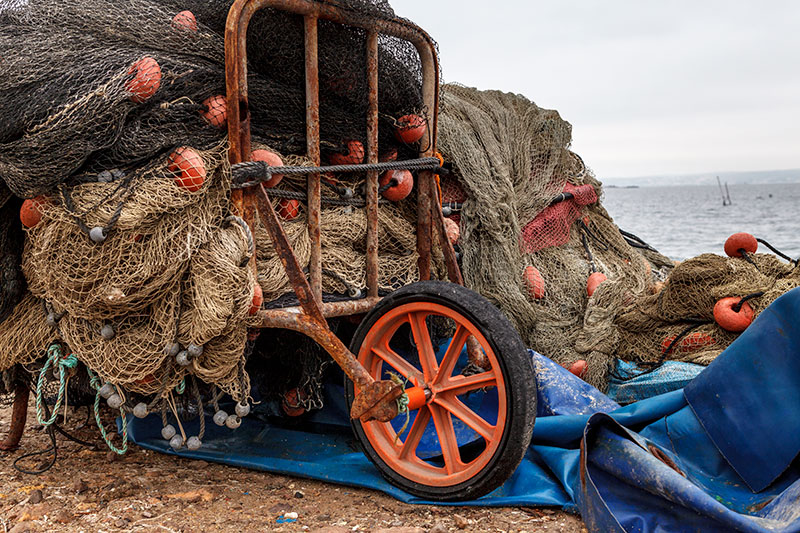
(458, 385)
(468, 416)
(447, 439)
(422, 339)
(399, 364)
(453, 353)
(415, 433)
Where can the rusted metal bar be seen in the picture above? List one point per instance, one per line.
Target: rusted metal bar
(329, 309)
(312, 148)
(19, 415)
(450, 261)
(372, 157)
(424, 225)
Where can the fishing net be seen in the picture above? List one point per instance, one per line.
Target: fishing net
(533, 233)
(114, 128)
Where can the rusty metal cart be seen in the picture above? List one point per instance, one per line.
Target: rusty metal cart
(432, 390)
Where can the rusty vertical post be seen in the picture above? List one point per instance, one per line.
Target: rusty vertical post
(425, 184)
(372, 157)
(312, 146)
(19, 415)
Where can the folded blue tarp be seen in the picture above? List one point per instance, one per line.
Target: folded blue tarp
(661, 464)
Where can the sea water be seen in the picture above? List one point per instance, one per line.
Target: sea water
(684, 221)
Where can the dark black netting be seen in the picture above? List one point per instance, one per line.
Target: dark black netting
(91, 85)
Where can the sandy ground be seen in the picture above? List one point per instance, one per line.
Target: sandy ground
(146, 491)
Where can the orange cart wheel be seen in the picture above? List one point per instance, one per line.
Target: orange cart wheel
(468, 427)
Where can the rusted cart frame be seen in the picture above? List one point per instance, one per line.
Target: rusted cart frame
(376, 398)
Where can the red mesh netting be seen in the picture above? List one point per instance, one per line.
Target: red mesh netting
(551, 226)
(452, 193)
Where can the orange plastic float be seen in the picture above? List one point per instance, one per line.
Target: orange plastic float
(216, 112)
(594, 281)
(728, 318)
(273, 160)
(447, 389)
(291, 402)
(30, 214)
(258, 299)
(410, 128)
(288, 209)
(185, 20)
(738, 242)
(579, 368)
(146, 79)
(188, 167)
(354, 155)
(405, 182)
(452, 230)
(534, 282)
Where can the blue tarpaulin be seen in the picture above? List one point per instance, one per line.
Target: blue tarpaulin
(720, 455)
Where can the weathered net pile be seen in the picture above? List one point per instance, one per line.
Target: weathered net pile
(113, 126)
(537, 242)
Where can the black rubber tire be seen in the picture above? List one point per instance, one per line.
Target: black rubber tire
(518, 375)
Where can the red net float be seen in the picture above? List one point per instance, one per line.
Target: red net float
(291, 403)
(185, 20)
(354, 155)
(216, 112)
(273, 160)
(146, 79)
(738, 242)
(410, 128)
(594, 281)
(731, 319)
(534, 282)
(452, 230)
(691, 343)
(579, 368)
(30, 213)
(401, 189)
(188, 167)
(258, 299)
(288, 209)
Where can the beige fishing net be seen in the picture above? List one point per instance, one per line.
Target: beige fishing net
(527, 201)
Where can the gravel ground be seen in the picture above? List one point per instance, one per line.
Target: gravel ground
(146, 491)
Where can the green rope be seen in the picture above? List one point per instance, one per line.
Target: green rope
(63, 363)
(94, 382)
(402, 404)
(181, 386)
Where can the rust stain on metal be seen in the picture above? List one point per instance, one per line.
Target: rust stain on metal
(372, 157)
(377, 401)
(312, 147)
(19, 414)
(329, 309)
(475, 355)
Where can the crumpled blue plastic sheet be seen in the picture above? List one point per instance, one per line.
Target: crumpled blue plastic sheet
(660, 464)
(630, 383)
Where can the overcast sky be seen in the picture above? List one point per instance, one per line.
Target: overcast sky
(650, 87)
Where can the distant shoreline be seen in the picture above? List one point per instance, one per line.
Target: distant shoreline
(766, 177)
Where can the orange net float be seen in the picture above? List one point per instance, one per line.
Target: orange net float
(291, 403)
(594, 281)
(273, 160)
(739, 242)
(216, 112)
(188, 167)
(404, 182)
(31, 211)
(452, 230)
(689, 344)
(288, 209)
(579, 368)
(534, 282)
(354, 155)
(146, 79)
(410, 128)
(732, 314)
(258, 299)
(185, 20)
